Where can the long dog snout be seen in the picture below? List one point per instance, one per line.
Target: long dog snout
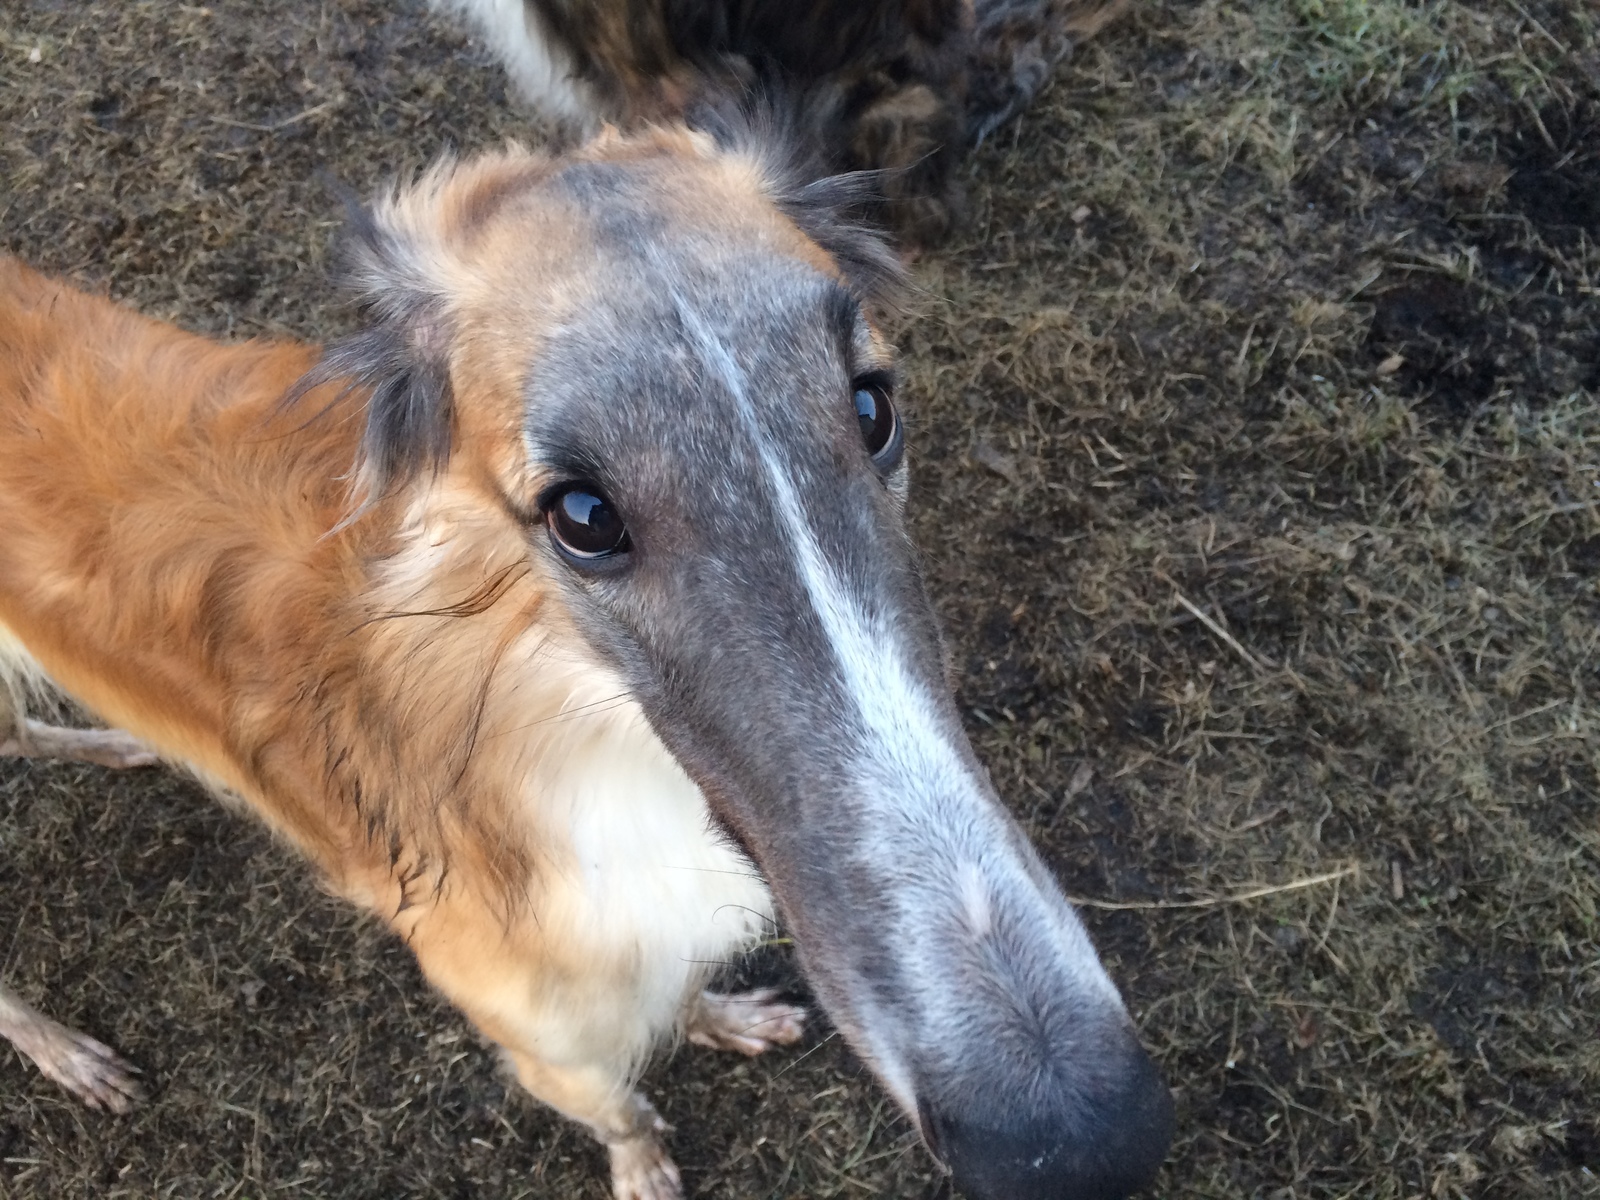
(1029, 1082)
(772, 623)
(1003, 1035)
(1085, 1118)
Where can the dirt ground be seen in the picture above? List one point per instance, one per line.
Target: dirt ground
(1257, 433)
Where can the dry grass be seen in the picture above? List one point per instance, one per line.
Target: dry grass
(1259, 433)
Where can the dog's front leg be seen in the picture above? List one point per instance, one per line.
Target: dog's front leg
(574, 1024)
(621, 1118)
(103, 747)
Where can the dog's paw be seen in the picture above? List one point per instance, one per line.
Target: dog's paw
(88, 1069)
(103, 747)
(641, 1169)
(747, 1022)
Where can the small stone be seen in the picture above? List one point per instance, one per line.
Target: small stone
(1081, 778)
(998, 461)
(1482, 179)
(36, 55)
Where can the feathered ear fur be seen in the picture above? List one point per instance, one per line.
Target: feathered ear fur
(784, 131)
(401, 356)
(830, 211)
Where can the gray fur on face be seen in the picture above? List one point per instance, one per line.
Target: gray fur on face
(771, 621)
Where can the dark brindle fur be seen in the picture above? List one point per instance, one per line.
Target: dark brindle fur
(899, 86)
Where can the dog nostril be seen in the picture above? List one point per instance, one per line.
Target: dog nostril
(1105, 1144)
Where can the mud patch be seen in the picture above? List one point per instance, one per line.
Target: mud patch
(1445, 344)
(1555, 180)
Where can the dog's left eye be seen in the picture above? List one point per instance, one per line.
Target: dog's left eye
(585, 525)
(880, 424)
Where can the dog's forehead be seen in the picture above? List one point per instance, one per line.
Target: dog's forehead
(637, 315)
(628, 218)
(685, 289)
(692, 358)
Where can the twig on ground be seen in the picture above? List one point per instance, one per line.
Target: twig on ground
(1254, 893)
(286, 122)
(1260, 664)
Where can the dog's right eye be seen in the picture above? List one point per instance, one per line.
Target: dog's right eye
(584, 524)
(881, 431)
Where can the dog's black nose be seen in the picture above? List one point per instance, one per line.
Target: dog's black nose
(1103, 1139)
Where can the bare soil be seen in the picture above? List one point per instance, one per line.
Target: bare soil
(1257, 436)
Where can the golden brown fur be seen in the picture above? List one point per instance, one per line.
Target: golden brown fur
(176, 557)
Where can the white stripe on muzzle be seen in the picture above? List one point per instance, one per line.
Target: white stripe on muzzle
(933, 828)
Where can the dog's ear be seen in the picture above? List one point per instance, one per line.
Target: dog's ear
(400, 357)
(786, 134)
(831, 211)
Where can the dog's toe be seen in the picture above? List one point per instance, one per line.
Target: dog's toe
(88, 1069)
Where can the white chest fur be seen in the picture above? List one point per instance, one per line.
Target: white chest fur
(638, 895)
(648, 872)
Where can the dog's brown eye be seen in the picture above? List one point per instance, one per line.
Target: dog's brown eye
(584, 524)
(880, 427)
